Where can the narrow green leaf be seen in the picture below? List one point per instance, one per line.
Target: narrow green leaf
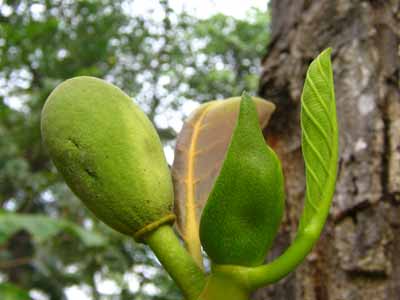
(319, 137)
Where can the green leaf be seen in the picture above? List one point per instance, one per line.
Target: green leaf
(244, 209)
(319, 138)
(43, 228)
(10, 291)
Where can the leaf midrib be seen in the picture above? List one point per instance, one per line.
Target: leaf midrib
(191, 230)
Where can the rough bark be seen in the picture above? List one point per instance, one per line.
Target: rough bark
(358, 255)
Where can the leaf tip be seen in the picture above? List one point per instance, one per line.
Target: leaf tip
(247, 108)
(328, 50)
(246, 96)
(326, 53)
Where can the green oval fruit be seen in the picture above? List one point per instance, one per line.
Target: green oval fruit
(245, 206)
(109, 154)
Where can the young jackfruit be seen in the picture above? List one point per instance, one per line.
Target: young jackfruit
(109, 154)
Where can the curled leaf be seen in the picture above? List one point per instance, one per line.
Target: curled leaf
(244, 209)
(319, 138)
(199, 153)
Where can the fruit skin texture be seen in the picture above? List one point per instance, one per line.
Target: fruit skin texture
(108, 153)
(245, 207)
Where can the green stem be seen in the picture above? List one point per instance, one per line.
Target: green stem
(256, 277)
(288, 261)
(178, 263)
(222, 286)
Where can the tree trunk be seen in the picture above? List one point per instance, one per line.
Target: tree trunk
(358, 255)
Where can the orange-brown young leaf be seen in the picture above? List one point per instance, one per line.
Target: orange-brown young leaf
(199, 153)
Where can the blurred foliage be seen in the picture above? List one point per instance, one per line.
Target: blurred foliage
(9, 291)
(50, 245)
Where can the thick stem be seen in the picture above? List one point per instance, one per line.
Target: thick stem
(178, 263)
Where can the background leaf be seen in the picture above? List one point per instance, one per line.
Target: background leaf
(10, 291)
(43, 228)
(319, 137)
(199, 153)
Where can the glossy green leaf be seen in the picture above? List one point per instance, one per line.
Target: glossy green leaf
(244, 209)
(43, 228)
(319, 137)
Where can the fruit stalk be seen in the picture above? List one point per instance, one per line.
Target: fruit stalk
(176, 260)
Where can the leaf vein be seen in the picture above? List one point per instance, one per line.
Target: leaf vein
(315, 122)
(320, 69)
(318, 154)
(314, 176)
(310, 201)
(320, 99)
